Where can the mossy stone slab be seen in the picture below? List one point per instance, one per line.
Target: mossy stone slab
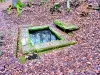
(69, 27)
(52, 45)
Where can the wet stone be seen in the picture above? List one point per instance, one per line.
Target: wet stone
(24, 34)
(26, 48)
(42, 36)
(24, 41)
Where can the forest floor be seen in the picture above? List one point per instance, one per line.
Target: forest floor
(82, 58)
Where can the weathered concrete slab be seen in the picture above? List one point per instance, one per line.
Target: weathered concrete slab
(52, 45)
(69, 27)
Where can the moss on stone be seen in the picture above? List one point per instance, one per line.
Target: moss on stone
(52, 45)
(69, 27)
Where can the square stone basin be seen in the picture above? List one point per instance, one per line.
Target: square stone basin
(40, 38)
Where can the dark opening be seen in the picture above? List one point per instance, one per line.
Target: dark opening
(34, 56)
(42, 36)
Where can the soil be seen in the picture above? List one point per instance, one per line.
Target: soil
(82, 58)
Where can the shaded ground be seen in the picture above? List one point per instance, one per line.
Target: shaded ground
(80, 59)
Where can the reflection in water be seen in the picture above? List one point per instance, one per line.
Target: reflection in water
(42, 36)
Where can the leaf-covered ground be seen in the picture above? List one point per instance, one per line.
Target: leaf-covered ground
(82, 58)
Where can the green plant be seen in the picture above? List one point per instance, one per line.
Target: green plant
(29, 3)
(56, 7)
(18, 5)
(22, 59)
(2, 1)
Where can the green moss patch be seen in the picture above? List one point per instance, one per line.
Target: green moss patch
(52, 45)
(22, 59)
(69, 27)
